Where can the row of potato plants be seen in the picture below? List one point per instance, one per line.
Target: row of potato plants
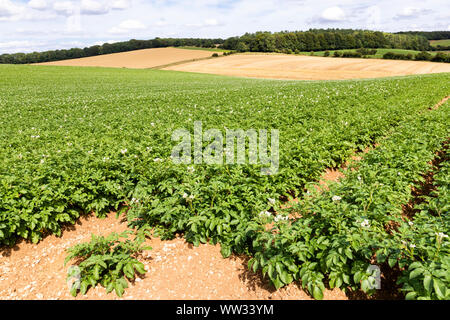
(360, 222)
(428, 276)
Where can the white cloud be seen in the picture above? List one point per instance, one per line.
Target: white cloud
(73, 24)
(161, 23)
(93, 7)
(9, 9)
(20, 46)
(121, 4)
(333, 14)
(205, 23)
(127, 26)
(88, 7)
(373, 20)
(99, 43)
(38, 4)
(211, 22)
(412, 12)
(65, 8)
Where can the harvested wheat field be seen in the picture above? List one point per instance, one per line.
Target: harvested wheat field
(176, 271)
(278, 66)
(138, 59)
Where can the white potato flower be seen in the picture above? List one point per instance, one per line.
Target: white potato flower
(265, 213)
(365, 223)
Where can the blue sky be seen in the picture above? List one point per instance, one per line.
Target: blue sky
(36, 25)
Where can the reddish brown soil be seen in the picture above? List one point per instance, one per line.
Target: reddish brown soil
(176, 271)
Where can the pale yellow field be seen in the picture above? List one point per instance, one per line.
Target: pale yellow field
(138, 59)
(295, 67)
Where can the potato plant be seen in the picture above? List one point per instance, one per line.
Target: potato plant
(107, 261)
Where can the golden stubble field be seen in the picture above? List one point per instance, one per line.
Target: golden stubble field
(271, 66)
(138, 59)
(279, 66)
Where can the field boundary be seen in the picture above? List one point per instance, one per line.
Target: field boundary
(182, 62)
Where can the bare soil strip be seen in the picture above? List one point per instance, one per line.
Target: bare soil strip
(440, 103)
(138, 59)
(295, 67)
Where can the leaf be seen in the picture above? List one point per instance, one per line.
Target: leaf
(96, 272)
(119, 289)
(286, 277)
(439, 288)
(110, 287)
(411, 296)
(129, 271)
(415, 273)
(317, 293)
(226, 251)
(255, 265)
(415, 265)
(277, 283)
(74, 290)
(427, 283)
(83, 287)
(140, 268)
(392, 261)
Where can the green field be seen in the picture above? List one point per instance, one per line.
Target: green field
(205, 49)
(378, 55)
(444, 43)
(77, 140)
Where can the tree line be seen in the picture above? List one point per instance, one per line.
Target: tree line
(430, 35)
(56, 55)
(323, 39)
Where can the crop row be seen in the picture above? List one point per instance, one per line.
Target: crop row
(360, 221)
(428, 276)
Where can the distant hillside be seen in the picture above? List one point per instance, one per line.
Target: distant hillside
(438, 39)
(443, 44)
(285, 42)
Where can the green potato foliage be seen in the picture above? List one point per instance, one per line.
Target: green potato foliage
(106, 261)
(348, 227)
(81, 140)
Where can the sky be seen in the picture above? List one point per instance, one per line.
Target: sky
(38, 25)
